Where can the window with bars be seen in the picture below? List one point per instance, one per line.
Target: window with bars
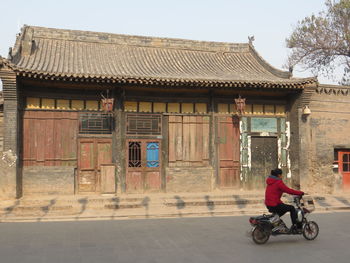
(134, 154)
(143, 124)
(95, 123)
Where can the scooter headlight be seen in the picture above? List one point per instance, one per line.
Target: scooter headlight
(300, 216)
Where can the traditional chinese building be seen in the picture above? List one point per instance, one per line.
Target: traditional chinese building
(89, 112)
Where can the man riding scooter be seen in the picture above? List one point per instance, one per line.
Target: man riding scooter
(274, 190)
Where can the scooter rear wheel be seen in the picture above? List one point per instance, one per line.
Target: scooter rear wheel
(310, 230)
(260, 236)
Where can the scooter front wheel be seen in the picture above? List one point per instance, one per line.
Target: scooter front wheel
(260, 236)
(310, 230)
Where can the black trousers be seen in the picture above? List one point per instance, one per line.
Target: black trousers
(281, 209)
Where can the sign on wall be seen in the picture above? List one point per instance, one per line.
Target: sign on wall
(263, 125)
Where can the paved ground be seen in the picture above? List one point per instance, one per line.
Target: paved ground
(204, 240)
(161, 205)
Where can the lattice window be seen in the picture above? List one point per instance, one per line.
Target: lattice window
(95, 123)
(134, 154)
(144, 124)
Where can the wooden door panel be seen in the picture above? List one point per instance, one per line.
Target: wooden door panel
(153, 181)
(227, 163)
(104, 153)
(107, 179)
(94, 152)
(188, 141)
(229, 177)
(264, 158)
(40, 141)
(143, 166)
(344, 168)
(87, 160)
(134, 182)
(87, 181)
(86, 169)
(228, 152)
(346, 182)
(226, 142)
(49, 138)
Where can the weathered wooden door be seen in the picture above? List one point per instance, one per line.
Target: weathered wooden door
(264, 158)
(50, 138)
(344, 168)
(229, 152)
(143, 166)
(93, 152)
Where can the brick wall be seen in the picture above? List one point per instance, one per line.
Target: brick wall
(48, 180)
(328, 128)
(10, 132)
(194, 179)
(10, 126)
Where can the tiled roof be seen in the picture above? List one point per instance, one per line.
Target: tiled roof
(89, 56)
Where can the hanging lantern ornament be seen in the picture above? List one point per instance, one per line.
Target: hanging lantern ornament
(240, 105)
(107, 103)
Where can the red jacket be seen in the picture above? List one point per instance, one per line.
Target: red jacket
(274, 190)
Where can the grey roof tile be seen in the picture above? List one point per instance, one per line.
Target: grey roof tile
(90, 55)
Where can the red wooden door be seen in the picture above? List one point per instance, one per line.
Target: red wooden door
(93, 153)
(143, 172)
(229, 152)
(344, 168)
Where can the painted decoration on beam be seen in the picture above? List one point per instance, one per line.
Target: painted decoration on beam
(263, 125)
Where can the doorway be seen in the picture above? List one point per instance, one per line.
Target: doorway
(264, 158)
(92, 152)
(143, 172)
(229, 152)
(344, 168)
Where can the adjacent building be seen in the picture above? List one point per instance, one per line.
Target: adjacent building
(325, 141)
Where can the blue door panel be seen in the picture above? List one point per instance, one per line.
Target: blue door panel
(152, 155)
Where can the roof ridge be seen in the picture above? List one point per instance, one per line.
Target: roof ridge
(6, 62)
(135, 40)
(277, 72)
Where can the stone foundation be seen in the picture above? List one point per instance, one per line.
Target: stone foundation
(189, 179)
(48, 180)
(7, 179)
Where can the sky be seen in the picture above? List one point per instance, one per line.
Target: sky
(269, 21)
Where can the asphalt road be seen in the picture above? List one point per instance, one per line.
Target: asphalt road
(203, 240)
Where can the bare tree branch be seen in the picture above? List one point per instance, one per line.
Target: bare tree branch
(322, 42)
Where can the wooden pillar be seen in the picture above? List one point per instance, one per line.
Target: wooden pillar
(119, 139)
(213, 140)
(164, 150)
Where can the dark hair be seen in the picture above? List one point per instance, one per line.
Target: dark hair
(276, 172)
